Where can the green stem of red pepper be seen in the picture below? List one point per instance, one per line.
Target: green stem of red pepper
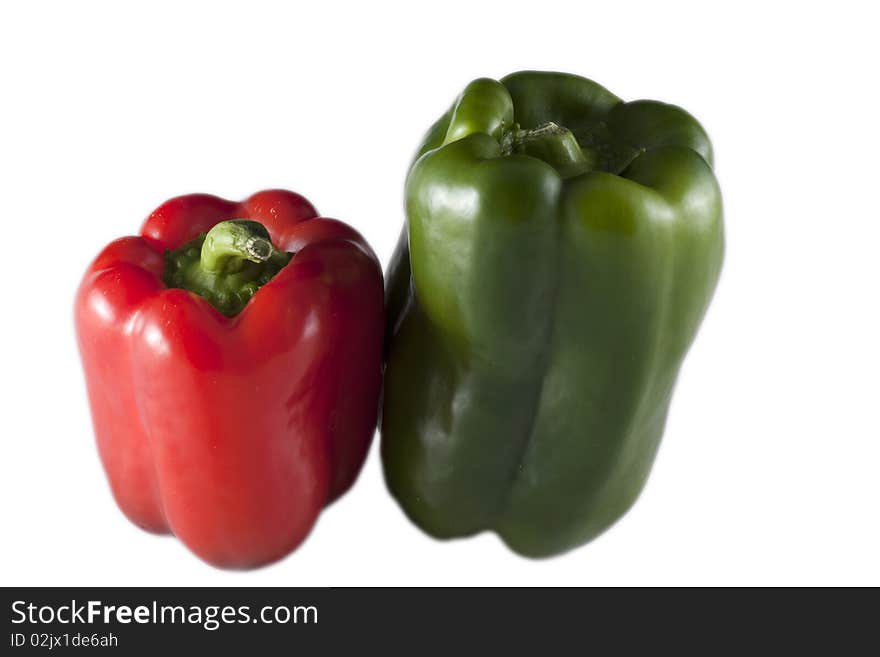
(230, 244)
(226, 265)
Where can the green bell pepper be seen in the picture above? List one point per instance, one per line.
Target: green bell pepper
(561, 249)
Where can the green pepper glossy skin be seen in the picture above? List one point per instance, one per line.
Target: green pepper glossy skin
(540, 302)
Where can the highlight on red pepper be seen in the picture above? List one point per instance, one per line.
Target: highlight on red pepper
(232, 356)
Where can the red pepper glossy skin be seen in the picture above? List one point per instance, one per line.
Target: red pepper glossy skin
(233, 432)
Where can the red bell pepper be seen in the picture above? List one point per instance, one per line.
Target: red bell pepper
(233, 432)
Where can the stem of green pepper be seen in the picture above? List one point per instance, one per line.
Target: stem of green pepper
(517, 137)
(229, 244)
(550, 142)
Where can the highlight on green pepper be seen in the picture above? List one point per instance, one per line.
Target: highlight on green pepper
(560, 251)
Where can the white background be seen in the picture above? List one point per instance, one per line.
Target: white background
(770, 467)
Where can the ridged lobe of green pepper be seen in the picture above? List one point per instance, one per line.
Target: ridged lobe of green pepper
(537, 337)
